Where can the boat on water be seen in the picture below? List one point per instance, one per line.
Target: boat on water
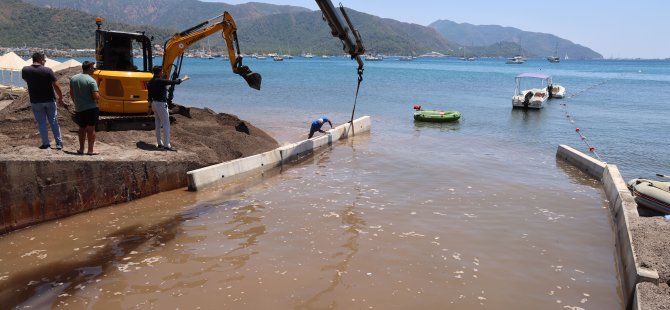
(516, 60)
(435, 116)
(371, 57)
(651, 194)
(556, 91)
(531, 98)
(554, 58)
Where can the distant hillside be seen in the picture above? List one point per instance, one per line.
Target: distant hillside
(176, 14)
(308, 32)
(24, 24)
(534, 44)
(264, 27)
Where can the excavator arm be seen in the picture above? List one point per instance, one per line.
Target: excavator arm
(179, 42)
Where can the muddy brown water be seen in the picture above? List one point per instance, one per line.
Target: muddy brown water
(355, 226)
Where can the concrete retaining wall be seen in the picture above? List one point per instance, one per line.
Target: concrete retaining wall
(34, 191)
(623, 208)
(200, 178)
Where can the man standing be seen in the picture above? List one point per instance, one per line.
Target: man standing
(42, 83)
(316, 126)
(85, 95)
(157, 87)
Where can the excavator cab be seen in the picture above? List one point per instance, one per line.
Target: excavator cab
(122, 79)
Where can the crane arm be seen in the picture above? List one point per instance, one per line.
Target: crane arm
(179, 42)
(353, 47)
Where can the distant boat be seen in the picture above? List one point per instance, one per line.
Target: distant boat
(432, 54)
(516, 60)
(370, 57)
(307, 55)
(554, 58)
(566, 56)
(277, 58)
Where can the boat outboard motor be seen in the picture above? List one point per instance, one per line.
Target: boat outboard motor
(550, 87)
(526, 99)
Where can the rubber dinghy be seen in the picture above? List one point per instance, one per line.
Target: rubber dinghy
(651, 194)
(435, 115)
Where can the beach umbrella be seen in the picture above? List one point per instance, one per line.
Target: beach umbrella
(11, 62)
(50, 63)
(66, 64)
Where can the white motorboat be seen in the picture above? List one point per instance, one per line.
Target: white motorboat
(556, 91)
(371, 57)
(516, 60)
(531, 98)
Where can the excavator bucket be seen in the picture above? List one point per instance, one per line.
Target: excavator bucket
(253, 79)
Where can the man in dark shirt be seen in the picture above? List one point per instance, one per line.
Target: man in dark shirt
(42, 83)
(157, 88)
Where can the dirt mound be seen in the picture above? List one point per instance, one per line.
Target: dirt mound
(199, 135)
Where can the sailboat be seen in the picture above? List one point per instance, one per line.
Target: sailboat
(471, 58)
(554, 58)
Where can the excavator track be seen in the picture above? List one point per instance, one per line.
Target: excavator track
(125, 122)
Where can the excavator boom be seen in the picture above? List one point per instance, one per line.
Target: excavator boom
(175, 47)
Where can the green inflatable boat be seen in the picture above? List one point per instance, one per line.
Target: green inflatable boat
(435, 116)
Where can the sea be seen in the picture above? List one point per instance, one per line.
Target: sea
(474, 214)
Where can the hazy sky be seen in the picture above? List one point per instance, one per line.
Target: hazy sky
(615, 29)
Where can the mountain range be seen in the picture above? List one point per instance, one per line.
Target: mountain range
(264, 28)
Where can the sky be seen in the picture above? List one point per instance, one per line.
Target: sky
(615, 29)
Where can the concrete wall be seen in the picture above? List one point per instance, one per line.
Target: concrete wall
(39, 190)
(200, 178)
(623, 208)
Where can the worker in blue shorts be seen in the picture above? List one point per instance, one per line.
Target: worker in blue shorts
(316, 125)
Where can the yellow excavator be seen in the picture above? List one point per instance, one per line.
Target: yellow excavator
(123, 83)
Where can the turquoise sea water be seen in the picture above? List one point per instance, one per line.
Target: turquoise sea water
(620, 107)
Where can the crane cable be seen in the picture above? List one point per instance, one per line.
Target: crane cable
(360, 79)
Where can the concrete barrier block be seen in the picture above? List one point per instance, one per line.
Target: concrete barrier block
(271, 159)
(291, 151)
(321, 141)
(636, 299)
(586, 163)
(202, 177)
(336, 133)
